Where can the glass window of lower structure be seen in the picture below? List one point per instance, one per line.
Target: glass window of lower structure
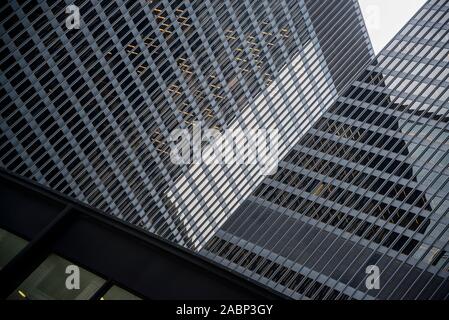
(58, 279)
(10, 246)
(117, 293)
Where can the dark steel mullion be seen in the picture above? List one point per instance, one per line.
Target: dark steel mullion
(33, 254)
(132, 232)
(102, 290)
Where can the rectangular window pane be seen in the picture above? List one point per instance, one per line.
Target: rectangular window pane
(55, 279)
(10, 246)
(117, 293)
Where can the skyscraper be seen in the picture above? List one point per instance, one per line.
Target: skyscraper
(89, 111)
(365, 191)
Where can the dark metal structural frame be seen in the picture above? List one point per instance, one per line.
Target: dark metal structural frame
(120, 252)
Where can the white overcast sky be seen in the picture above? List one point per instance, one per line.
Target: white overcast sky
(384, 18)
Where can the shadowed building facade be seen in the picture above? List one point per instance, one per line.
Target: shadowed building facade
(366, 186)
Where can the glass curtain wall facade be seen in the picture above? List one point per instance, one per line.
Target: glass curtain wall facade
(366, 187)
(89, 111)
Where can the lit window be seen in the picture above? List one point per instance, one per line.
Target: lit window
(117, 293)
(58, 279)
(10, 246)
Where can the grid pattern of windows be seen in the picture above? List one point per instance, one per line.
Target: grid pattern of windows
(367, 185)
(89, 112)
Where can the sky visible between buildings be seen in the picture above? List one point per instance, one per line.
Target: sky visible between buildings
(384, 18)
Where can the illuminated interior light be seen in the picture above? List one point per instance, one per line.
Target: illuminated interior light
(141, 69)
(131, 52)
(174, 89)
(161, 150)
(22, 294)
(164, 31)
